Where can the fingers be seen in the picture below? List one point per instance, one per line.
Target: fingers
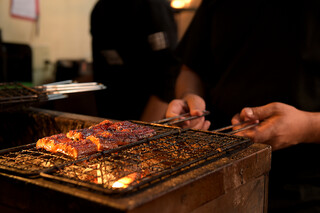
(260, 113)
(265, 132)
(196, 104)
(199, 123)
(206, 125)
(236, 119)
(193, 104)
(176, 107)
(278, 125)
(248, 114)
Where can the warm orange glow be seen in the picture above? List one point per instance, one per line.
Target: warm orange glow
(178, 4)
(125, 181)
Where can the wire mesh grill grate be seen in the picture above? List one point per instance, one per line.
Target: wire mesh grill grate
(15, 95)
(127, 168)
(28, 160)
(150, 162)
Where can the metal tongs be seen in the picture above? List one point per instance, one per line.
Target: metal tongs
(180, 118)
(235, 125)
(186, 117)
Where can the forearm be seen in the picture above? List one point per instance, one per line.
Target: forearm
(155, 109)
(188, 82)
(313, 128)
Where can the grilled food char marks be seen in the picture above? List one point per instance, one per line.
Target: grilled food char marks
(103, 136)
(80, 134)
(52, 143)
(78, 148)
(103, 143)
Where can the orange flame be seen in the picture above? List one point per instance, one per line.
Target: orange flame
(125, 181)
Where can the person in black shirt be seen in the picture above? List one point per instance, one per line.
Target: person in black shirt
(132, 49)
(237, 54)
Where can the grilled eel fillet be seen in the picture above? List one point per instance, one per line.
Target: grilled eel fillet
(109, 136)
(60, 143)
(103, 136)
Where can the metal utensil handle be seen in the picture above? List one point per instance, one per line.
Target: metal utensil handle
(171, 120)
(237, 130)
(243, 128)
(188, 118)
(162, 121)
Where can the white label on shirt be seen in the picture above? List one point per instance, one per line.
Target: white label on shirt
(158, 41)
(112, 57)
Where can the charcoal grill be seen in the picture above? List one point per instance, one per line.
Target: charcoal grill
(27, 160)
(16, 96)
(147, 162)
(188, 170)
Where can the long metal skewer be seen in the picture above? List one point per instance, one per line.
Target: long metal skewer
(172, 120)
(243, 128)
(235, 125)
(59, 90)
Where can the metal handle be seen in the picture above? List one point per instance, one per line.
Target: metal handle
(237, 130)
(172, 120)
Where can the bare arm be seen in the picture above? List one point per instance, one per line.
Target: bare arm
(188, 82)
(154, 110)
(313, 135)
(189, 92)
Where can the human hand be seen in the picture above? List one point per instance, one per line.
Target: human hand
(190, 103)
(280, 125)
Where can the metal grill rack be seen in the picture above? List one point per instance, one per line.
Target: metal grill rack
(27, 160)
(13, 95)
(130, 168)
(127, 168)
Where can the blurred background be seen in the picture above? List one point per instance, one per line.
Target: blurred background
(48, 41)
(58, 40)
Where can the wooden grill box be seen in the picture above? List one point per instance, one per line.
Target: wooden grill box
(237, 183)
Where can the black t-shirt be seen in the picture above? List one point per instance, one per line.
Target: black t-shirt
(253, 52)
(132, 48)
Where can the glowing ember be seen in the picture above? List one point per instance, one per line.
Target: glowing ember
(99, 177)
(125, 181)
